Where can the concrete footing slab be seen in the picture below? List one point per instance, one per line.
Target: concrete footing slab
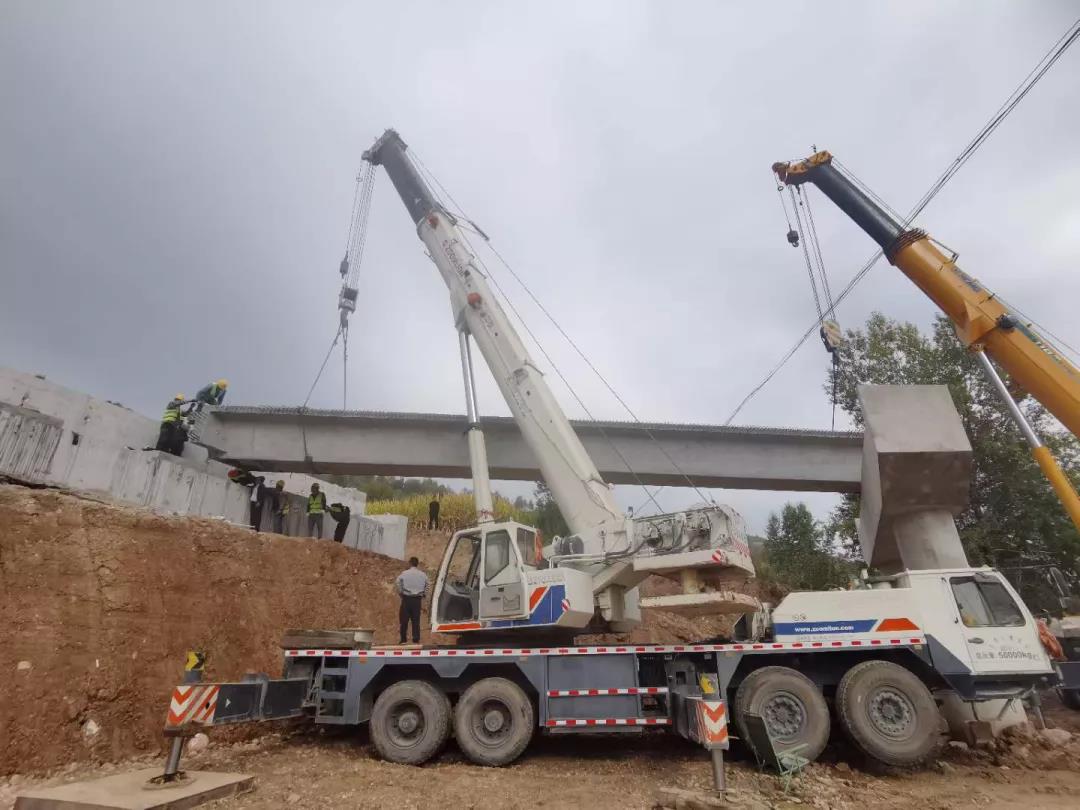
(132, 791)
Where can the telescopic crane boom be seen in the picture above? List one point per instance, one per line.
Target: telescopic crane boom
(500, 576)
(982, 322)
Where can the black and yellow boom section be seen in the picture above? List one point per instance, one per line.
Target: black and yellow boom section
(982, 322)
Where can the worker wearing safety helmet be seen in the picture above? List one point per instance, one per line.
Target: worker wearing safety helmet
(212, 393)
(172, 435)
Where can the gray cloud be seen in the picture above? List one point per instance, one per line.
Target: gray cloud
(175, 185)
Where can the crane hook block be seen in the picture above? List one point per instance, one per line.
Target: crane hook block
(344, 269)
(793, 238)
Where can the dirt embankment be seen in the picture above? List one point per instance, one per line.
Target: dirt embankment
(99, 603)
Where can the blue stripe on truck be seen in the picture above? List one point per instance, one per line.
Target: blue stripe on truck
(828, 628)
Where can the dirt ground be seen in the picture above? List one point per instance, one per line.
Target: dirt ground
(316, 770)
(100, 602)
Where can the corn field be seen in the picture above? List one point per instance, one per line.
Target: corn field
(456, 511)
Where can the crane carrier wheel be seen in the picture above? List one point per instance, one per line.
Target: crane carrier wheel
(410, 722)
(888, 713)
(494, 721)
(794, 710)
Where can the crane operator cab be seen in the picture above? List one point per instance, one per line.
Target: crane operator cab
(489, 580)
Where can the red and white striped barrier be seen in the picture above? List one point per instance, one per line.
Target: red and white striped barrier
(629, 690)
(518, 652)
(610, 721)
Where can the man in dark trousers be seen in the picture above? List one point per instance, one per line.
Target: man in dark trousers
(281, 508)
(340, 513)
(172, 435)
(260, 494)
(316, 506)
(411, 586)
(433, 513)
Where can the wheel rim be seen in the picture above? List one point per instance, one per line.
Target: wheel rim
(892, 713)
(492, 722)
(405, 725)
(785, 715)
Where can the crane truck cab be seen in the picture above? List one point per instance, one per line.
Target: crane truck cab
(489, 580)
(983, 641)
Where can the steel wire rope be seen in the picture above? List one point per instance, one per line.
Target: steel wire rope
(1018, 94)
(573, 392)
(422, 169)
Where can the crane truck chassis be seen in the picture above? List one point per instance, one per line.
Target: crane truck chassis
(879, 659)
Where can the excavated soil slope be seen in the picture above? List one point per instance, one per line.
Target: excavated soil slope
(99, 604)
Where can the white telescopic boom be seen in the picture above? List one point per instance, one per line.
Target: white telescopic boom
(584, 499)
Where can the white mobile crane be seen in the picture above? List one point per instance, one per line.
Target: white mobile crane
(499, 578)
(880, 659)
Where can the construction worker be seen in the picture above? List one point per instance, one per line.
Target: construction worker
(412, 587)
(259, 495)
(433, 513)
(316, 506)
(342, 515)
(171, 435)
(212, 393)
(281, 508)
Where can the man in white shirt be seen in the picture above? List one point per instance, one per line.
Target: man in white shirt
(412, 587)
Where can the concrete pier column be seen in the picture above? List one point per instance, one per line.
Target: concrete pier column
(915, 477)
(928, 539)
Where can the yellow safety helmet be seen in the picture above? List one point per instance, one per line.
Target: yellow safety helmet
(179, 397)
(222, 383)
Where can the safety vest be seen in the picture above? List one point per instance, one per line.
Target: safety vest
(315, 504)
(172, 413)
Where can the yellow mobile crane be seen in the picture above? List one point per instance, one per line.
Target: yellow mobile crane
(982, 322)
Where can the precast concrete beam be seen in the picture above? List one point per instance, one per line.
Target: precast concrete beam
(373, 443)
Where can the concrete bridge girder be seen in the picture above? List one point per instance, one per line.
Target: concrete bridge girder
(362, 443)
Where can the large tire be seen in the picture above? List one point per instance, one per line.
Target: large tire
(494, 721)
(889, 714)
(794, 710)
(410, 722)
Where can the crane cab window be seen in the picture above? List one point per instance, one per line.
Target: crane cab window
(496, 555)
(460, 595)
(984, 602)
(526, 541)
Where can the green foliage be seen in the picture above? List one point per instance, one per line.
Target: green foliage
(388, 488)
(456, 510)
(797, 553)
(546, 515)
(1014, 518)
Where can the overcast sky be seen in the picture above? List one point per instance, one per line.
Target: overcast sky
(176, 182)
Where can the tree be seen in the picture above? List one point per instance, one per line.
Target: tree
(1014, 518)
(549, 519)
(797, 552)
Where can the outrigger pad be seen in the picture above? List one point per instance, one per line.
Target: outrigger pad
(133, 791)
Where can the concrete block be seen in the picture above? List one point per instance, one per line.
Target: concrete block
(395, 529)
(129, 791)
(916, 458)
(28, 441)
